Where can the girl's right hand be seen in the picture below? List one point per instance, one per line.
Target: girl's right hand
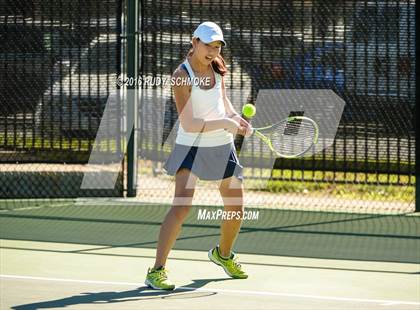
(234, 127)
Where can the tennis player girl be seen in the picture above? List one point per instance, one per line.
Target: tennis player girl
(204, 149)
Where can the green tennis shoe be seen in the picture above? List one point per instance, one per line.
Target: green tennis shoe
(230, 265)
(158, 279)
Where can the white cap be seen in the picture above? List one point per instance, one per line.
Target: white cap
(209, 32)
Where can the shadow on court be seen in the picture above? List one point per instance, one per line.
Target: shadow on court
(110, 297)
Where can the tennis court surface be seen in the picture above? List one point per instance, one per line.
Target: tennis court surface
(94, 253)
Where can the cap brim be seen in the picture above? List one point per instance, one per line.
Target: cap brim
(213, 39)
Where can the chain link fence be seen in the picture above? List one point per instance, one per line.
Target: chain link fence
(362, 50)
(59, 60)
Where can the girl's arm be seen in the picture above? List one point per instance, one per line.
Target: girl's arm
(230, 110)
(232, 114)
(189, 123)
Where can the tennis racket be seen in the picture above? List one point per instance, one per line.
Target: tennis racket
(291, 137)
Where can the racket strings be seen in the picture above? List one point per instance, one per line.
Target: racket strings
(292, 138)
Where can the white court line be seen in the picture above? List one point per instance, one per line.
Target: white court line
(382, 302)
(42, 206)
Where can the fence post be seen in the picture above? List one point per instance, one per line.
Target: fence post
(417, 144)
(132, 104)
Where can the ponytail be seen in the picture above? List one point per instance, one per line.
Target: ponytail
(219, 65)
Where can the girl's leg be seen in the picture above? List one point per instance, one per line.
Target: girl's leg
(171, 227)
(231, 190)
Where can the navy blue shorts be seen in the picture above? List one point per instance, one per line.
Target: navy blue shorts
(207, 163)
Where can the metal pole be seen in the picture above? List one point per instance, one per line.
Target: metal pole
(417, 146)
(416, 121)
(132, 104)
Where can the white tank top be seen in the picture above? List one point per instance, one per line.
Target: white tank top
(206, 104)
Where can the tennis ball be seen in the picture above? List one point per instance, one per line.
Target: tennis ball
(249, 110)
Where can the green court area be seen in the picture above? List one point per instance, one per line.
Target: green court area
(94, 253)
(125, 222)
